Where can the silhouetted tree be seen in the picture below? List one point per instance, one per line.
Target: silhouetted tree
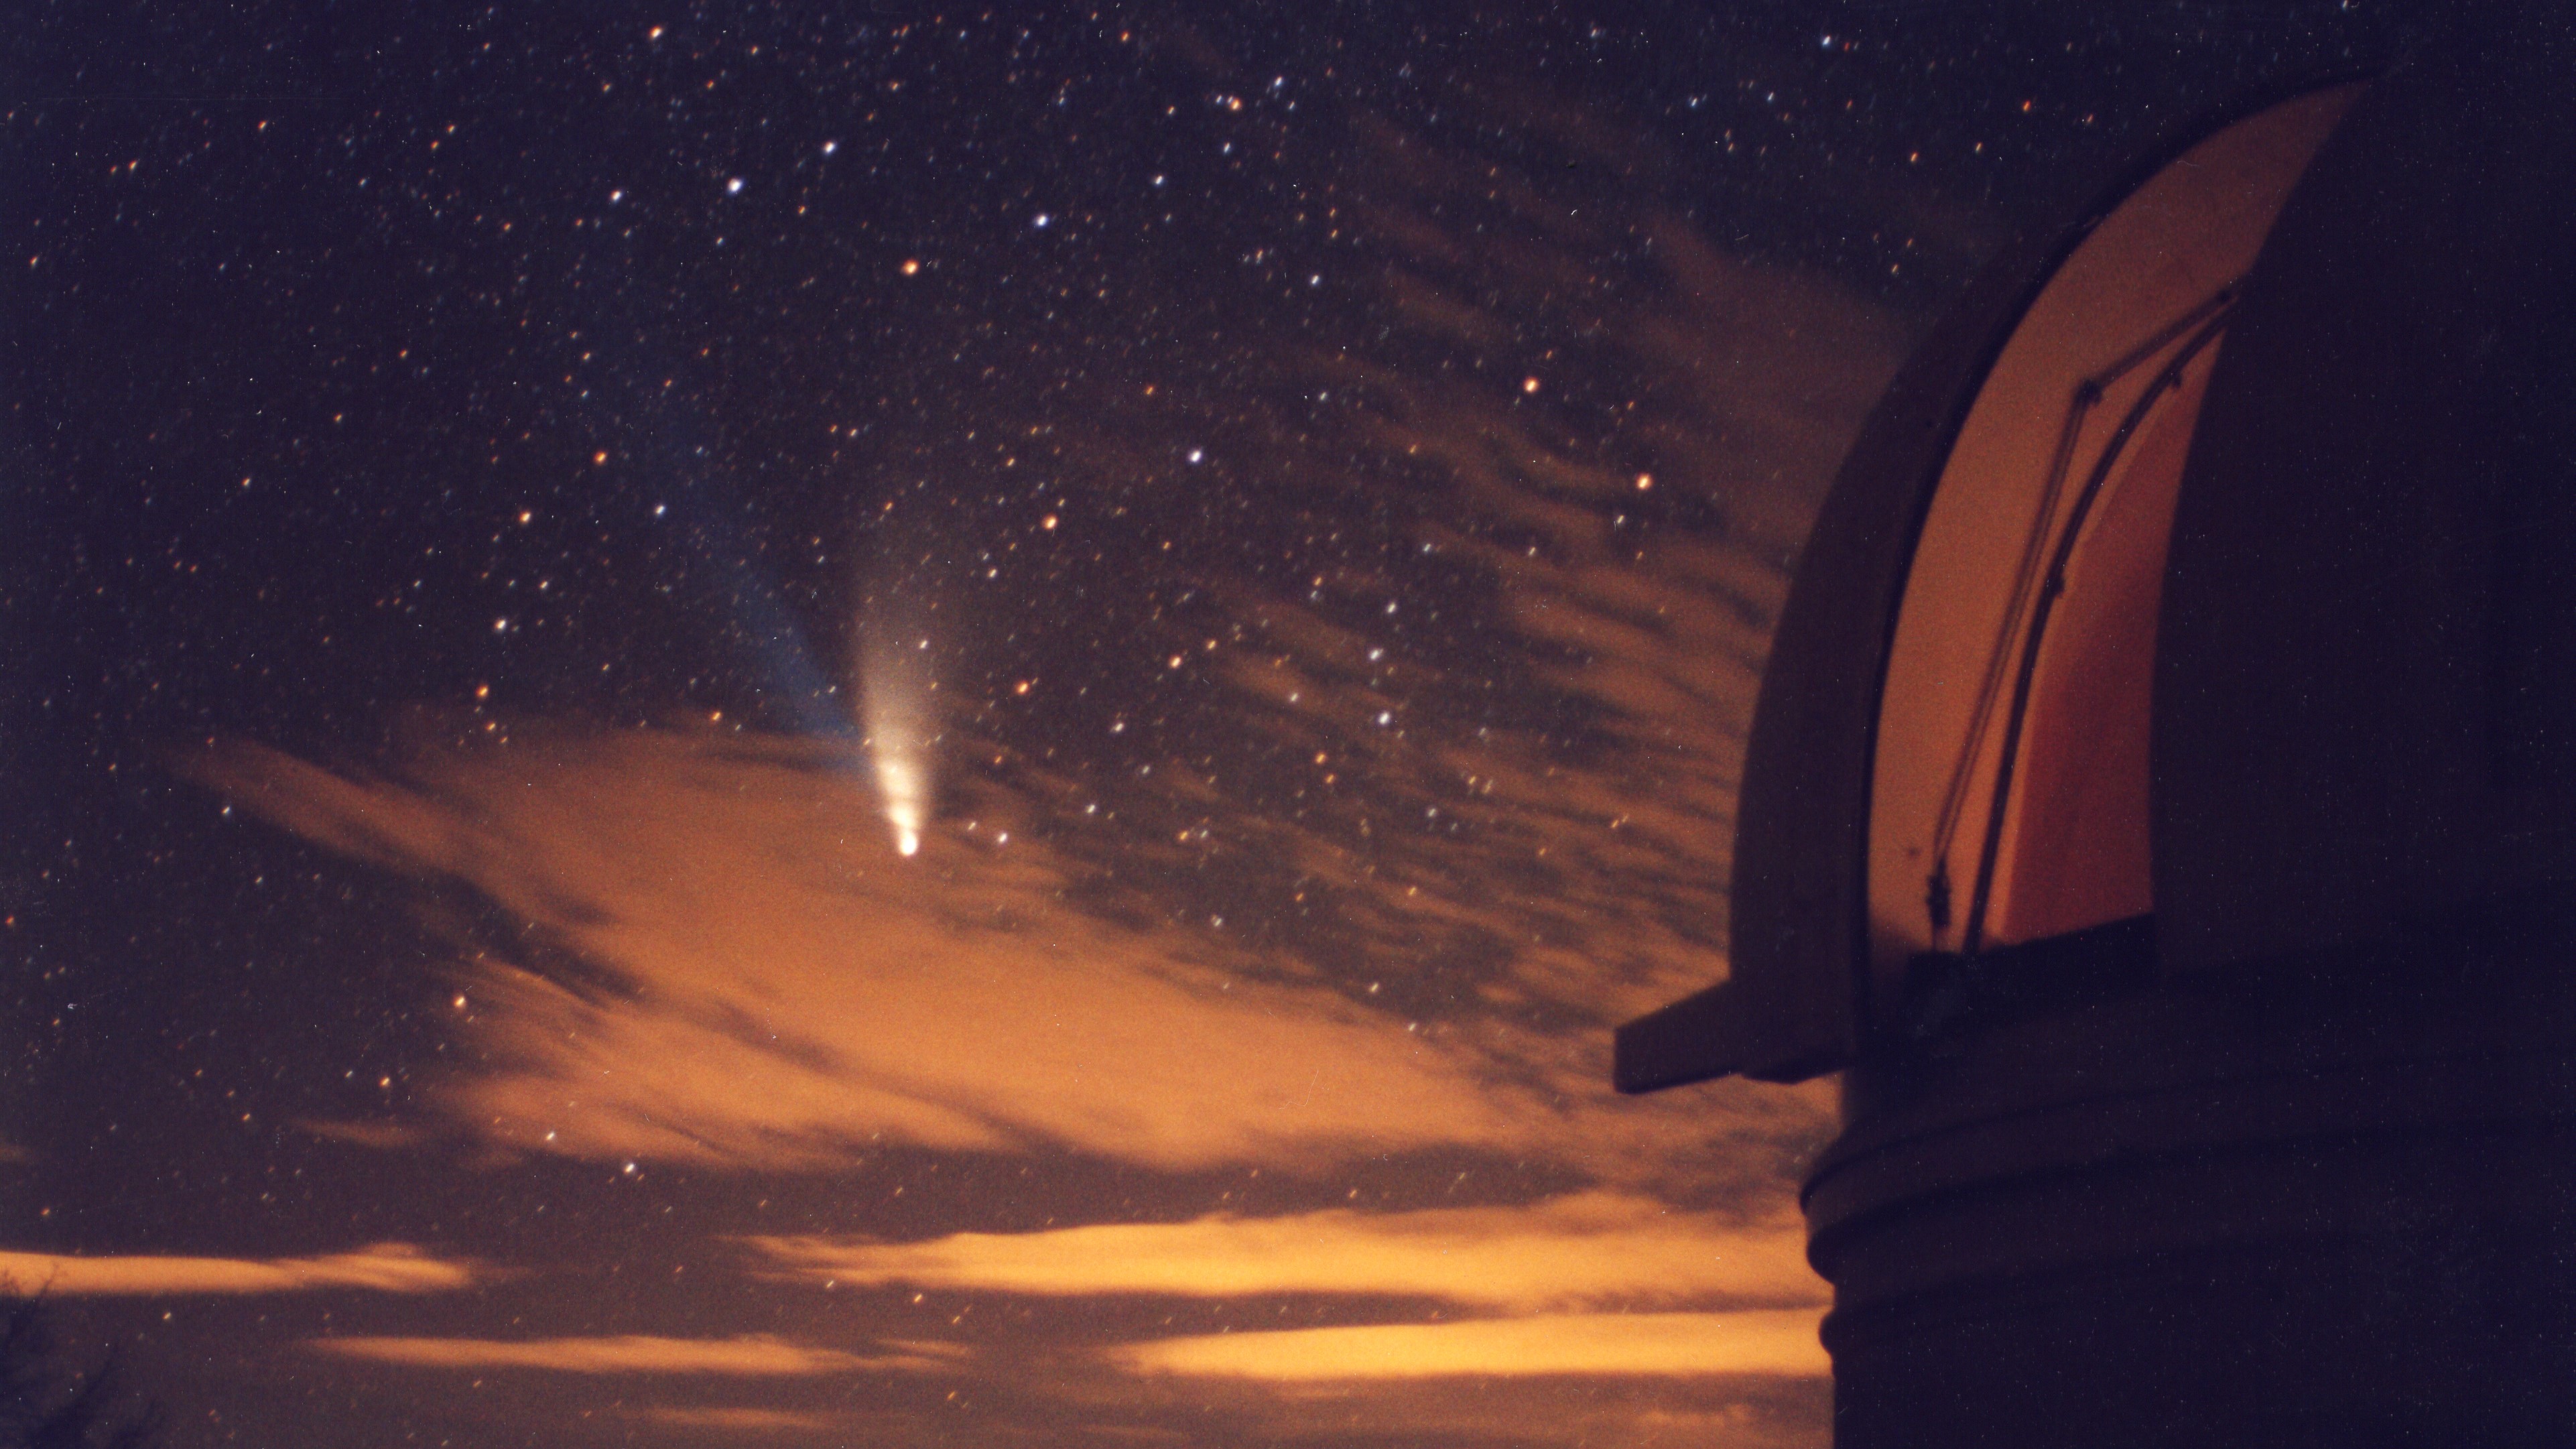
(49, 1402)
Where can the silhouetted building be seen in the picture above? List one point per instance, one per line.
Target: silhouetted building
(2162, 803)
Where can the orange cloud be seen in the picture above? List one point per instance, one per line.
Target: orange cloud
(1770, 1342)
(382, 1267)
(738, 1420)
(751, 1356)
(790, 991)
(739, 971)
(1588, 1248)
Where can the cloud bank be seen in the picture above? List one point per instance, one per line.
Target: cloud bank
(1582, 1249)
(1773, 1342)
(381, 1267)
(747, 1356)
(782, 990)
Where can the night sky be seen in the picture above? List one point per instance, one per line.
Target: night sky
(515, 523)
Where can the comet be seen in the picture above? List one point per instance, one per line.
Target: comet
(896, 685)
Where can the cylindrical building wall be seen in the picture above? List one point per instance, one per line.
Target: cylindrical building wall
(2252, 1214)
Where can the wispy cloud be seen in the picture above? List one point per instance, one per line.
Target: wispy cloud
(1768, 1342)
(381, 1267)
(738, 1420)
(783, 990)
(1584, 1249)
(749, 1356)
(722, 960)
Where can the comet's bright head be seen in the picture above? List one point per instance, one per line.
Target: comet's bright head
(901, 786)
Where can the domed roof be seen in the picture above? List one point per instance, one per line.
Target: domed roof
(2203, 590)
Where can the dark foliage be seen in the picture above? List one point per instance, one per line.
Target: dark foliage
(47, 1401)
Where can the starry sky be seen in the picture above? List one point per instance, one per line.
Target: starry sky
(846, 725)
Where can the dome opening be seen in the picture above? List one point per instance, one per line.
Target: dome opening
(2009, 798)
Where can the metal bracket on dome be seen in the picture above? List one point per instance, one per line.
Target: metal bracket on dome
(1709, 1034)
(1675, 1045)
